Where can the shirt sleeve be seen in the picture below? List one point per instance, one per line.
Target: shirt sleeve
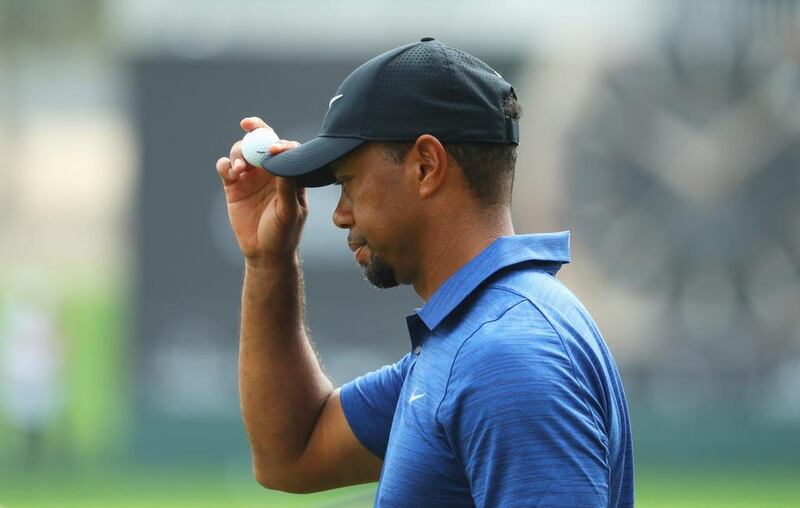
(516, 419)
(369, 403)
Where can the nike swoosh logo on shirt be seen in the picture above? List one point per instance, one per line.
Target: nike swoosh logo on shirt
(415, 396)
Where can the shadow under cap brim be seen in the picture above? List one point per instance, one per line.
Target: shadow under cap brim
(309, 163)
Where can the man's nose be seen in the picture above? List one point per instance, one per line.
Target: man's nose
(342, 214)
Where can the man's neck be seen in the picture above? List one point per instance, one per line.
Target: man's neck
(456, 245)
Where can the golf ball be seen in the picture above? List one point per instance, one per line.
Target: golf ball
(256, 143)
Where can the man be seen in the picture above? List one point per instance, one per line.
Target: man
(509, 396)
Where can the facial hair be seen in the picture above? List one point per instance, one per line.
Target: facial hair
(376, 271)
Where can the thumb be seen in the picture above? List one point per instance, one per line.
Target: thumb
(302, 199)
(287, 190)
(252, 122)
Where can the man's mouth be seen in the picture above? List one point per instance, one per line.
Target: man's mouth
(359, 252)
(358, 244)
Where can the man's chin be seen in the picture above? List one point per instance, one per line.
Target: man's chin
(379, 275)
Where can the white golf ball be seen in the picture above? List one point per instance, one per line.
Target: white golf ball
(256, 143)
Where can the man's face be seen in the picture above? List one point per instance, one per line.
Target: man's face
(371, 207)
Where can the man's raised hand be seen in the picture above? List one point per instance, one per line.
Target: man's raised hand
(266, 212)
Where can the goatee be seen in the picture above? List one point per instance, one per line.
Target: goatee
(378, 272)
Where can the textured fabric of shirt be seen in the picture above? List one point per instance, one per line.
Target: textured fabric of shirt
(509, 397)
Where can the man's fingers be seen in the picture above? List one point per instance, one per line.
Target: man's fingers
(238, 161)
(234, 166)
(225, 170)
(236, 151)
(290, 192)
(302, 196)
(252, 122)
(282, 145)
(287, 189)
(240, 165)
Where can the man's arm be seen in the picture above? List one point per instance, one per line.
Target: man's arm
(299, 437)
(298, 433)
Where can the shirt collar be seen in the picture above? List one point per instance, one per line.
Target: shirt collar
(550, 248)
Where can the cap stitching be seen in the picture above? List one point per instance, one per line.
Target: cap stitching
(451, 89)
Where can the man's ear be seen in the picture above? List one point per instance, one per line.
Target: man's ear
(431, 164)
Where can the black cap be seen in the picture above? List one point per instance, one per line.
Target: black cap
(421, 88)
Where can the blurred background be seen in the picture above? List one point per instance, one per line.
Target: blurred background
(664, 134)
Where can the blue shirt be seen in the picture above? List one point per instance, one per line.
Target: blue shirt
(510, 396)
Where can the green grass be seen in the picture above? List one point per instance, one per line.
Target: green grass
(737, 487)
(161, 488)
(233, 488)
(94, 322)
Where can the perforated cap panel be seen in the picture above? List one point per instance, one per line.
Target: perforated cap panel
(395, 78)
(430, 88)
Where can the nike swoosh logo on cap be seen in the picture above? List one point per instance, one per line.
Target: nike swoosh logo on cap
(335, 98)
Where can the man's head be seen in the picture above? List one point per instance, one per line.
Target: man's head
(487, 167)
(415, 135)
(394, 193)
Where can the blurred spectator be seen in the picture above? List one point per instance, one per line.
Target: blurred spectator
(31, 361)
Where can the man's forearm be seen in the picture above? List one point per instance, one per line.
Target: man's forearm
(281, 384)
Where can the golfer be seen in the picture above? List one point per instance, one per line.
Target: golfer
(508, 395)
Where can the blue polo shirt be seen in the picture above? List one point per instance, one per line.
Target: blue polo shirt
(510, 396)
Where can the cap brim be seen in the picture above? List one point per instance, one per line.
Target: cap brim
(309, 163)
